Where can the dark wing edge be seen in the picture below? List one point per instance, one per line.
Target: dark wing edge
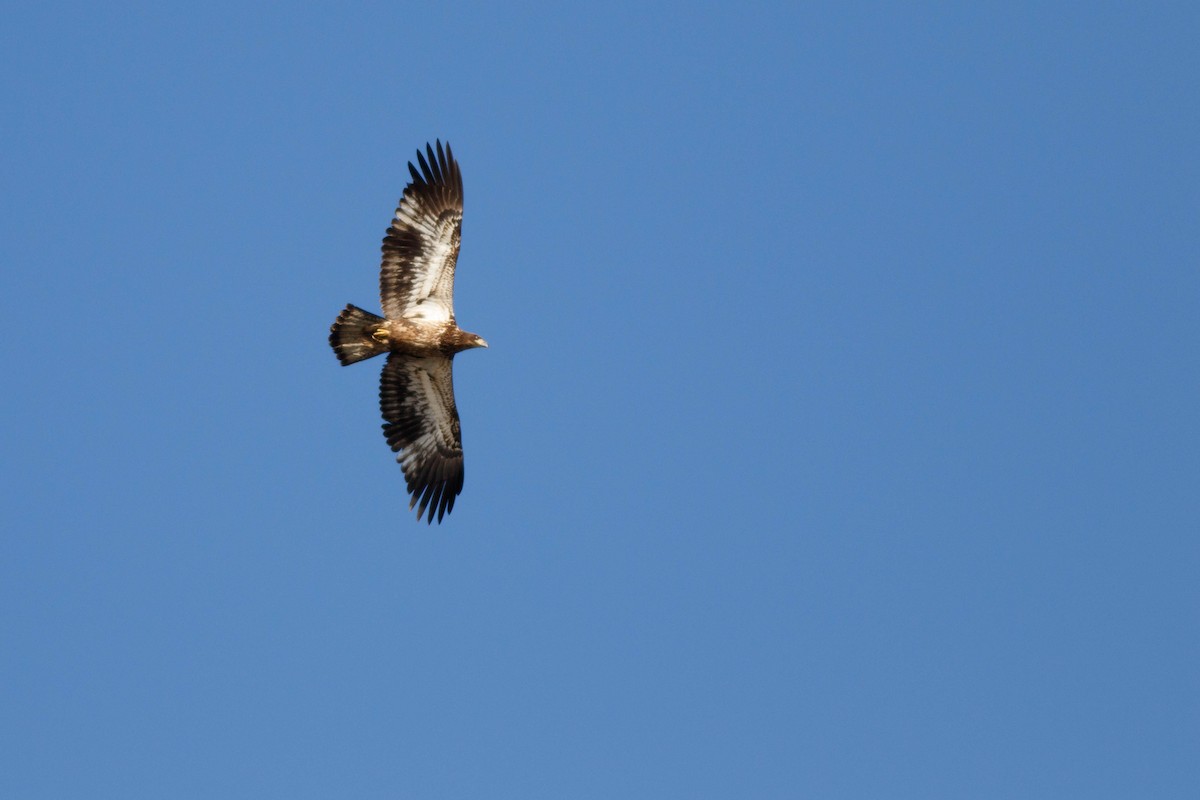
(421, 246)
(416, 396)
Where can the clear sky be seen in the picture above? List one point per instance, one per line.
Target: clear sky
(838, 436)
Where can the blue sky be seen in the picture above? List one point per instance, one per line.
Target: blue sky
(837, 437)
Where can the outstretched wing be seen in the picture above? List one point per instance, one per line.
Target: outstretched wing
(416, 280)
(416, 396)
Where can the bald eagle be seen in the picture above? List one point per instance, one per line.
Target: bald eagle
(419, 334)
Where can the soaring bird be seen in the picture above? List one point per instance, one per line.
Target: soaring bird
(418, 332)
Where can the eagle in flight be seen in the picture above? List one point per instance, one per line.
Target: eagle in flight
(418, 332)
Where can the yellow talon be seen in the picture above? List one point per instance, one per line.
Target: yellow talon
(380, 335)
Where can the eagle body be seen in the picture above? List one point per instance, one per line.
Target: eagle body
(419, 334)
(357, 340)
(425, 338)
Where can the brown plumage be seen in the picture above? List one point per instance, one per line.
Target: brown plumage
(418, 331)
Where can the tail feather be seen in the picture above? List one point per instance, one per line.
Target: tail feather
(350, 335)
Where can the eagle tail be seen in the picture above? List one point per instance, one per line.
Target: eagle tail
(350, 336)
